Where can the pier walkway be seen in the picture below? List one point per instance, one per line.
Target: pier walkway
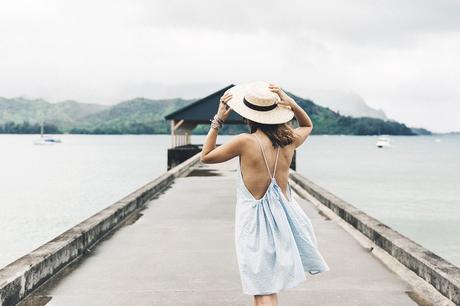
(180, 251)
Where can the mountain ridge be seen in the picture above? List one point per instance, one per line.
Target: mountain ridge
(347, 103)
(146, 116)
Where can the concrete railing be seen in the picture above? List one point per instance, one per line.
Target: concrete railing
(441, 274)
(26, 274)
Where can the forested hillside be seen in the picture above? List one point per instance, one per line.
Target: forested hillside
(146, 116)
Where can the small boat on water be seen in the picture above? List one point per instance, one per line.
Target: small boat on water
(46, 140)
(383, 142)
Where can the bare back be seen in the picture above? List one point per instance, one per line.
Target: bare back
(256, 176)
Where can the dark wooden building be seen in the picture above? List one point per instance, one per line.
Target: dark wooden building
(184, 120)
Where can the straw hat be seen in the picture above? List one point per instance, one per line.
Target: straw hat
(256, 102)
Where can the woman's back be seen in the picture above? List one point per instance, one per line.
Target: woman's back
(256, 176)
(274, 239)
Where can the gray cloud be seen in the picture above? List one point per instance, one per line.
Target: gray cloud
(378, 22)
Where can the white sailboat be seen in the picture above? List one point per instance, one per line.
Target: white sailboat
(383, 142)
(46, 140)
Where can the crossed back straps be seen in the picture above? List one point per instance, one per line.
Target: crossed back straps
(265, 159)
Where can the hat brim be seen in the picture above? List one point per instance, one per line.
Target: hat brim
(278, 115)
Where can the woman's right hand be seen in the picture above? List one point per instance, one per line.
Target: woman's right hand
(285, 100)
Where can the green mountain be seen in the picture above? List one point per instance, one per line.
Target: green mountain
(145, 116)
(420, 131)
(67, 114)
(64, 114)
(329, 122)
(137, 116)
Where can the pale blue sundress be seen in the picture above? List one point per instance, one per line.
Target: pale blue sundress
(275, 241)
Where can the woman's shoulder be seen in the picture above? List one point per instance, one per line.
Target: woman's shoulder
(244, 135)
(243, 139)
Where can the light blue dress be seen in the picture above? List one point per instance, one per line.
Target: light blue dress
(275, 241)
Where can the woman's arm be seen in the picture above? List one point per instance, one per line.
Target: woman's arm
(210, 154)
(305, 123)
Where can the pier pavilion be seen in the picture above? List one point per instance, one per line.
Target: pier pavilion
(185, 119)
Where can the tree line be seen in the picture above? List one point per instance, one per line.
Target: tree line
(26, 127)
(342, 125)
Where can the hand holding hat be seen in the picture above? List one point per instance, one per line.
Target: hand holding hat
(285, 100)
(224, 110)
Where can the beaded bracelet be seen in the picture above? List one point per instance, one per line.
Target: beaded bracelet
(216, 122)
(215, 125)
(218, 119)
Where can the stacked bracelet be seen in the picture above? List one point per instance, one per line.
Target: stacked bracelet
(216, 122)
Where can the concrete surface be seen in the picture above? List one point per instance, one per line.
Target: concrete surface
(180, 251)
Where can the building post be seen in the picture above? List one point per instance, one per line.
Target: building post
(172, 133)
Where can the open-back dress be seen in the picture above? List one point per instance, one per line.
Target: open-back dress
(275, 241)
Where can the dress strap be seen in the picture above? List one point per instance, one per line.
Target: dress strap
(276, 161)
(265, 159)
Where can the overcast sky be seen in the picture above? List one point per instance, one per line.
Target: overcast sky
(400, 56)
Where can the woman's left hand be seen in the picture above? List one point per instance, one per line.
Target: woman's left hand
(224, 110)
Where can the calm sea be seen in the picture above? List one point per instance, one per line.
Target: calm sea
(413, 187)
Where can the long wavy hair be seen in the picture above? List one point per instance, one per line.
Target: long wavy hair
(280, 135)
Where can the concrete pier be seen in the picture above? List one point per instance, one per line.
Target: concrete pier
(179, 250)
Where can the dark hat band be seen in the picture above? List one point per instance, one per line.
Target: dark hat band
(258, 107)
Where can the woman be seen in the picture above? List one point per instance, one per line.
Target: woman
(275, 241)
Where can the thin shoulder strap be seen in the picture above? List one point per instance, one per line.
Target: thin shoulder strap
(263, 155)
(276, 161)
(265, 159)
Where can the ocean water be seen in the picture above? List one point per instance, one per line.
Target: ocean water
(45, 190)
(413, 187)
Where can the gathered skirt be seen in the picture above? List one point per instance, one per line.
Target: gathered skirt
(275, 242)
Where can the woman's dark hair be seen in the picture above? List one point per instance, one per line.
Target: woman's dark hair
(279, 134)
